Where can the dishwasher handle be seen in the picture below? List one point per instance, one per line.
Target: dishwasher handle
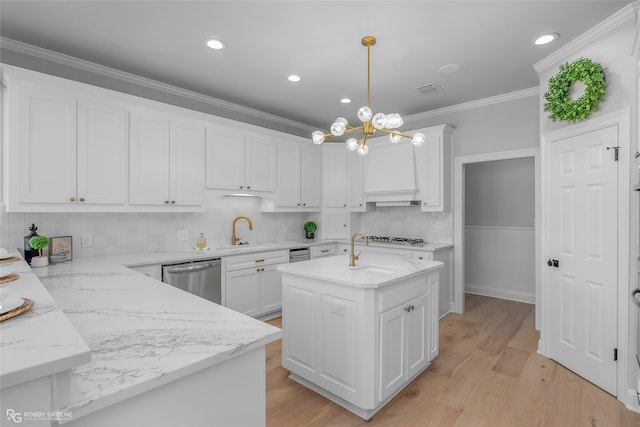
(192, 268)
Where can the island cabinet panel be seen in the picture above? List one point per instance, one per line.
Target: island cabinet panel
(357, 338)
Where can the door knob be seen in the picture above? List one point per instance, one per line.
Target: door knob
(553, 263)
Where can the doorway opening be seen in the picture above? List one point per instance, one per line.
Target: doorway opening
(496, 227)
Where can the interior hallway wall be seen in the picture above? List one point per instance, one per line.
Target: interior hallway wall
(500, 229)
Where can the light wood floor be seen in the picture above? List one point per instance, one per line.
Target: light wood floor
(487, 374)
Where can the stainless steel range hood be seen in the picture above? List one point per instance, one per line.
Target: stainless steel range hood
(390, 177)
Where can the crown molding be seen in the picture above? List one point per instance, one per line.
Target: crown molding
(73, 62)
(611, 23)
(492, 100)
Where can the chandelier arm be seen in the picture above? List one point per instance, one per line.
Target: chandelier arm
(353, 129)
(389, 131)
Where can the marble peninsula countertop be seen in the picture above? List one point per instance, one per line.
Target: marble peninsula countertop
(372, 270)
(130, 333)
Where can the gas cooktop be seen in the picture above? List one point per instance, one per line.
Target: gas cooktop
(397, 240)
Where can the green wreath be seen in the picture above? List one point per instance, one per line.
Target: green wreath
(558, 102)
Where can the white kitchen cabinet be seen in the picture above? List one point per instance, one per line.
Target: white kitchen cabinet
(299, 182)
(166, 160)
(153, 270)
(70, 152)
(322, 251)
(335, 176)
(434, 169)
(240, 161)
(335, 224)
(253, 286)
(358, 346)
(404, 344)
(355, 169)
(343, 179)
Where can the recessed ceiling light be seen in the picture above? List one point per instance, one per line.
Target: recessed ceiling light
(546, 38)
(293, 78)
(216, 44)
(449, 69)
(345, 101)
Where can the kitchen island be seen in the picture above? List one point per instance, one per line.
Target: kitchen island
(358, 335)
(137, 351)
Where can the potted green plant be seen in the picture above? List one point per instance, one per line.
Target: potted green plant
(39, 243)
(310, 228)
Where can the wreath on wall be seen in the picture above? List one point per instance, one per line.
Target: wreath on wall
(557, 97)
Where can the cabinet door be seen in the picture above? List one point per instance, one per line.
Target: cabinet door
(334, 176)
(311, 178)
(46, 143)
(356, 183)
(417, 335)
(433, 315)
(260, 164)
(392, 350)
(102, 153)
(187, 164)
(149, 157)
(243, 291)
(225, 159)
(270, 289)
(288, 176)
(335, 224)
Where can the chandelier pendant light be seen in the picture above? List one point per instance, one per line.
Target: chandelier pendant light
(387, 123)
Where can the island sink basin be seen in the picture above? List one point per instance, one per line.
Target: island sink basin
(374, 269)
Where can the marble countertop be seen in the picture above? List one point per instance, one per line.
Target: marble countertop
(372, 270)
(40, 342)
(140, 333)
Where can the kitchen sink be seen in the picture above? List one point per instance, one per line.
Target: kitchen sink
(374, 269)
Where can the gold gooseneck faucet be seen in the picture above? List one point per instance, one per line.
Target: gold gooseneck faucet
(234, 239)
(352, 256)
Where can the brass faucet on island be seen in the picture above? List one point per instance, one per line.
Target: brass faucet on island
(352, 256)
(234, 239)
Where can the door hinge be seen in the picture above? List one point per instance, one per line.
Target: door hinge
(615, 152)
(615, 354)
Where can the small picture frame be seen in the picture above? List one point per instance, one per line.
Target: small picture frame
(63, 245)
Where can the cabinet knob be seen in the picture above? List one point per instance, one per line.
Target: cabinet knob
(166, 202)
(360, 204)
(82, 199)
(173, 202)
(344, 225)
(73, 199)
(345, 205)
(298, 204)
(248, 187)
(304, 204)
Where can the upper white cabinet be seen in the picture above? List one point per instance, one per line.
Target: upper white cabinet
(343, 178)
(434, 169)
(166, 160)
(239, 161)
(299, 174)
(65, 152)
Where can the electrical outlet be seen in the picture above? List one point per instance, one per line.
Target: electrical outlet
(183, 235)
(337, 308)
(438, 225)
(87, 241)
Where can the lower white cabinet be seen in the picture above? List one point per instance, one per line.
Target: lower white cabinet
(360, 345)
(154, 270)
(408, 336)
(253, 286)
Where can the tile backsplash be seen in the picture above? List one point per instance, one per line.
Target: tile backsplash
(120, 233)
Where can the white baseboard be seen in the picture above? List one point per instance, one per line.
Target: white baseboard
(488, 291)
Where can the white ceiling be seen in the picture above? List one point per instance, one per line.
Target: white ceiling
(318, 40)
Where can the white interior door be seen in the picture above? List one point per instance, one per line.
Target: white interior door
(582, 236)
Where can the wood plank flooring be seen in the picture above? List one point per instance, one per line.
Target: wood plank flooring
(487, 374)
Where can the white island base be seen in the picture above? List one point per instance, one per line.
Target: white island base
(359, 335)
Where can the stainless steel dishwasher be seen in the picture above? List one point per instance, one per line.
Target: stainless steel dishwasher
(200, 278)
